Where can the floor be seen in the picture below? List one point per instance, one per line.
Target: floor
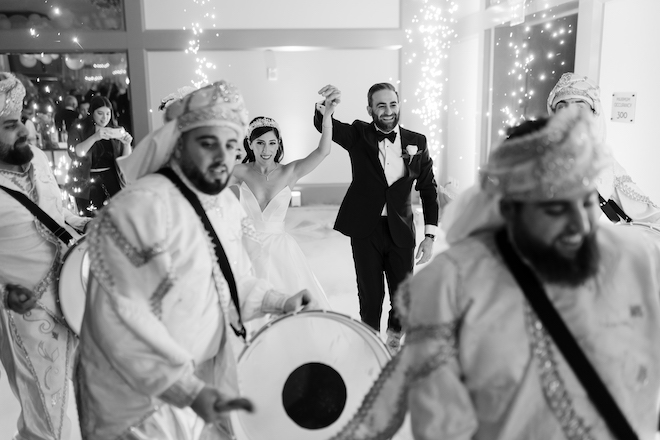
(329, 255)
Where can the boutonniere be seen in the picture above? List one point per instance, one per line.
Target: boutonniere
(410, 152)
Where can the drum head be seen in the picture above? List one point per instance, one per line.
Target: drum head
(73, 284)
(306, 375)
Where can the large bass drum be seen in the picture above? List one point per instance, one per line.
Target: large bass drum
(73, 284)
(307, 374)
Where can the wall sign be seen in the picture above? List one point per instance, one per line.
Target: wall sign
(623, 107)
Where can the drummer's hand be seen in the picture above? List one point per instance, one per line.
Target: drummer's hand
(20, 299)
(302, 299)
(86, 226)
(210, 404)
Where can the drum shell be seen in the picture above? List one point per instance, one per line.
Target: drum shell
(72, 284)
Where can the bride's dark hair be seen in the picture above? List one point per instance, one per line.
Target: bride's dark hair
(258, 132)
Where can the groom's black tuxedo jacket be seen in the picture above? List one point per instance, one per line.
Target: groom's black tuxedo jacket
(368, 192)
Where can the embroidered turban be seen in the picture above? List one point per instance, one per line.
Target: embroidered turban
(567, 154)
(572, 86)
(12, 93)
(218, 104)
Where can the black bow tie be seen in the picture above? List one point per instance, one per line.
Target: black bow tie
(391, 136)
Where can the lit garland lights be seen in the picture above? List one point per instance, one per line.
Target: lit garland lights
(193, 47)
(434, 25)
(538, 55)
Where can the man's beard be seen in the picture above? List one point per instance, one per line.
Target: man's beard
(553, 267)
(386, 127)
(16, 154)
(198, 179)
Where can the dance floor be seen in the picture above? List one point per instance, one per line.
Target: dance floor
(329, 254)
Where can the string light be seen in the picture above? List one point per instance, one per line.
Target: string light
(203, 65)
(530, 68)
(434, 26)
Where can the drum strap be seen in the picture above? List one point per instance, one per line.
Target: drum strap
(41, 215)
(536, 295)
(612, 210)
(220, 254)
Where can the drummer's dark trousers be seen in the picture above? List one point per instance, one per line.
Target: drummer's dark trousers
(374, 256)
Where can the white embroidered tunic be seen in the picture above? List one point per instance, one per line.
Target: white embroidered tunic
(37, 349)
(478, 364)
(155, 327)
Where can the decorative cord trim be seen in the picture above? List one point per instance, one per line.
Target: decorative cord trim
(554, 388)
(445, 333)
(156, 300)
(137, 257)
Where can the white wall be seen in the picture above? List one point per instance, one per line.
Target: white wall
(290, 99)
(630, 62)
(269, 14)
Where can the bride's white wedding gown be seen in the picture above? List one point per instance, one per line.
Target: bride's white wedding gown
(282, 261)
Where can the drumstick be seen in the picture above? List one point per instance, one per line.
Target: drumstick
(233, 404)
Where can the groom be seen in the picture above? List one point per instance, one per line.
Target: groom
(376, 211)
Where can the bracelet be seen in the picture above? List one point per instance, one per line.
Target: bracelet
(431, 236)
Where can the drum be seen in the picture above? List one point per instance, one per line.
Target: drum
(306, 374)
(73, 284)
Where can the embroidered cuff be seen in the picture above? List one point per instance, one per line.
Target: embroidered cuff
(183, 392)
(273, 302)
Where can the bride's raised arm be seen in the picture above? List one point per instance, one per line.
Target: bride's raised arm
(307, 164)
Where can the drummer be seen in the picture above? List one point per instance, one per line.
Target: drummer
(37, 348)
(621, 200)
(155, 359)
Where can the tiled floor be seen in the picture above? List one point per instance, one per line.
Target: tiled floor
(330, 256)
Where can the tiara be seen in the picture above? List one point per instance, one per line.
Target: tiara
(261, 122)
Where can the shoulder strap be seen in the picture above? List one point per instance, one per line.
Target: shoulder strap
(41, 215)
(535, 293)
(219, 250)
(612, 210)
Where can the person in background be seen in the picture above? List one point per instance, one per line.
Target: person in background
(37, 348)
(65, 117)
(83, 109)
(621, 200)
(376, 212)
(481, 359)
(94, 146)
(27, 116)
(265, 186)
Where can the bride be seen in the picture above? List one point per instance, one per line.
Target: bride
(265, 192)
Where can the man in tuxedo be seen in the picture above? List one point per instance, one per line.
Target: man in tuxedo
(376, 212)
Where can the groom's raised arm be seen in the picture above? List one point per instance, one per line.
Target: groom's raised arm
(343, 134)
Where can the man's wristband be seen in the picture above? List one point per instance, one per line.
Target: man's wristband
(431, 236)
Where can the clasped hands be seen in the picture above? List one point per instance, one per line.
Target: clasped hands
(332, 97)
